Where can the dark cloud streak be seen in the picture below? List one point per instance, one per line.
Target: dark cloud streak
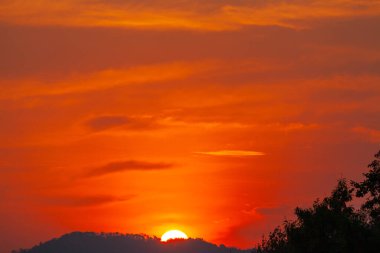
(111, 121)
(122, 166)
(84, 201)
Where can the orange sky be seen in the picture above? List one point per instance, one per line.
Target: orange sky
(214, 117)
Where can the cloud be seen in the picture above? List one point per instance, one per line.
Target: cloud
(232, 153)
(103, 80)
(131, 165)
(89, 200)
(280, 210)
(372, 135)
(265, 210)
(212, 15)
(105, 122)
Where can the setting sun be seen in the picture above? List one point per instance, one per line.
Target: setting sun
(173, 234)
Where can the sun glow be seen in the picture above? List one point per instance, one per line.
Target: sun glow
(173, 234)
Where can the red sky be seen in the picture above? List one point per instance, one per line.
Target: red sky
(213, 117)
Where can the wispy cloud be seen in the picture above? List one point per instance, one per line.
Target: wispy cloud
(372, 135)
(105, 122)
(231, 153)
(276, 210)
(86, 200)
(131, 165)
(185, 15)
(103, 80)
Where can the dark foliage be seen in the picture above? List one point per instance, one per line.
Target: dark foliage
(332, 225)
(370, 188)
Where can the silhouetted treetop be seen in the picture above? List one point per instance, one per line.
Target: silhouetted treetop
(333, 225)
(370, 188)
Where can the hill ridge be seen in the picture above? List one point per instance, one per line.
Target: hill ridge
(115, 242)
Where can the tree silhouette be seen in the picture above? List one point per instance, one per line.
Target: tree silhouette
(370, 188)
(333, 225)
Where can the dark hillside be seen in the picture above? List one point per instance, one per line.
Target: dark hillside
(88, 242)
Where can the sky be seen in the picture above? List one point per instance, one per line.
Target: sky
(214, 117)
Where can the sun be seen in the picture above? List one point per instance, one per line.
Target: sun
(173, 234)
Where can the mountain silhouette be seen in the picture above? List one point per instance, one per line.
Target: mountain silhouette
(89, 242)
